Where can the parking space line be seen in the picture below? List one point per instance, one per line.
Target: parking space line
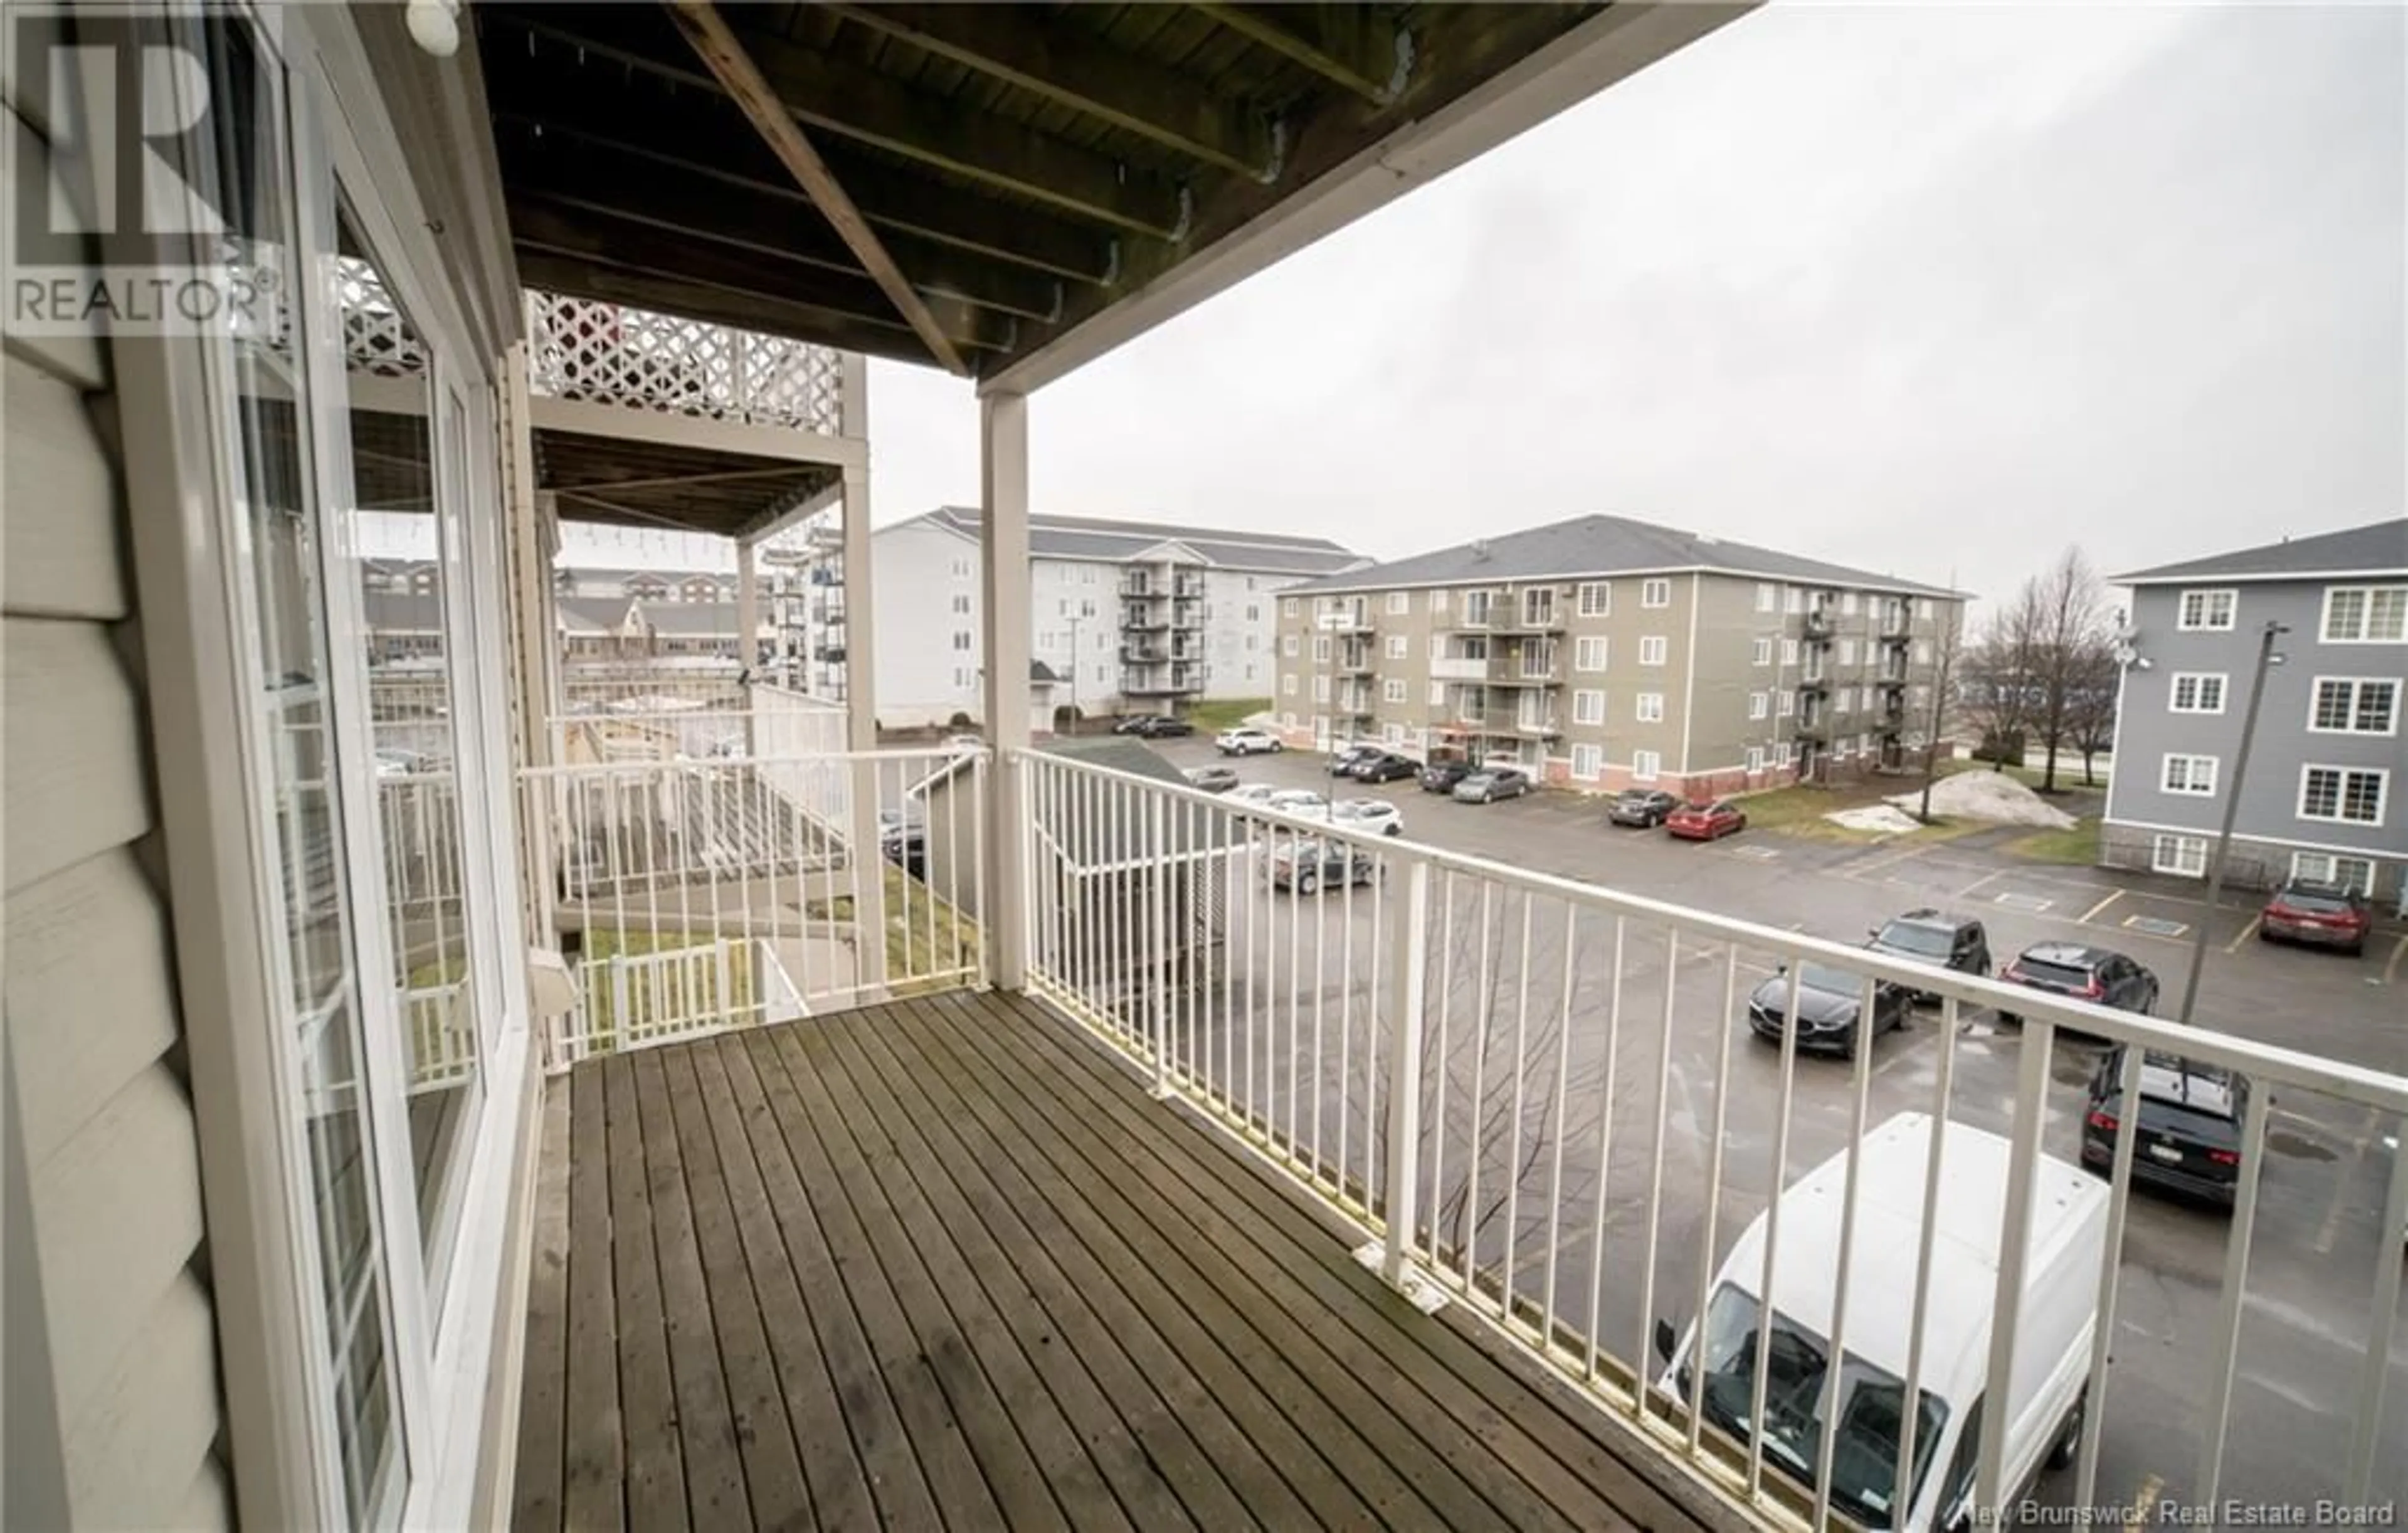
(2246, 933)
(2138, 1516)
(2331, 1229)
(2392, 969)
(2112, 898)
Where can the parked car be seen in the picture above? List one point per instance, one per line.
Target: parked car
(903, 840)
(1252, 794)
(1153, 726)
(1368, 814)
(1705, 822)
(2322, 915)
(2189, 1126)
(1343, 760)
(1308, 866)
(1645, 808)
(2083, 972)
(2042, 1395)
(1831, 1003)
(1212, 778)
(1491, 784)
(1928, 937)
(1443, 776)
(965, 742)
(1297, 804)
(1246, 741)
(1387, 766)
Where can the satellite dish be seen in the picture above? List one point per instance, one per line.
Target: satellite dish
(2125, 655)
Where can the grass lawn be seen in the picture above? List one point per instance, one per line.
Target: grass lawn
(683, 992)
(1226, 712)
(2076, 846)
(934, 939)
(1800, 811)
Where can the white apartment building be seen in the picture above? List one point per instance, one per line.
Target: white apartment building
(1128, 616)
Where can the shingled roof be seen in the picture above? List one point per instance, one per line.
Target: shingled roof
(2379, 547)
(1598, 546)
(1108, 541)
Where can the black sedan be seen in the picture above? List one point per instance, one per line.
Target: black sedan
(1387, 766)
(1643, 806)
(2189, 1127)
(1153, 726)
(1829, 1002)
(1212, 778)
(1441, 776)
(1343, 760)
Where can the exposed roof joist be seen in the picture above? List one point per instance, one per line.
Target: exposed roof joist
(1078, 70)
(1372, 61)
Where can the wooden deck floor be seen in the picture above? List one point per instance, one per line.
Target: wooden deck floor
(942, 1263)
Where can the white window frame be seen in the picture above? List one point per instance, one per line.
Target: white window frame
(1768, 595)
(1788, 652)
(1656, 591)
(1438, 601)
(1923, 609)
(1392, 734)
(1321, 689)
(2204, 620)
(1595, 598)
(1653, 649)
(1588, 763)
(1788, 703)
(2183, 856)
(2356, 685)
(1288, 606)
(2199, 681)
(1588, 707)
(2327, 867)
(1586, 645)
(1398, 647)
(2188, 775)
(2398, 595)
(1759, 705)
(1847, 652)
(1289, 645)
(1645, 765)
(1437, 694)
(1793, 599)
(2382, 776)
(1321, 649)
(1648, 707)
(1287, 685)
(1755, 758)
(1393, 689)
(1399, 603)
(1760, 653)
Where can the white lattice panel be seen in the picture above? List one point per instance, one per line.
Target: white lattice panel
(613, 355)
(377, 336)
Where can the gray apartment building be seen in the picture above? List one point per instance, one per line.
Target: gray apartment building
(1603, 652)
(2316, 802)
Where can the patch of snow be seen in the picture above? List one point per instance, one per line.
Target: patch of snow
(1992, 797)
(1876, 817)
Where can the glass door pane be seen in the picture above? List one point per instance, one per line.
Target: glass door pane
(300, 808)
(414, 597)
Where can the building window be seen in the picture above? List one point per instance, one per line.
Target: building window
(1588, 707)
(1287, 720)
(1254, 609)
(2356, 873)
(1759, 704)
(1086, 574)
(1437, 694)
(1400, 602)
(1656, 592)
(1788, 703)
(1287, 685)
(1923, 652)
(962, 605)
(1288, 608)
(1289, 645)
(1589, 654)
(1588, 761)
(2366, 614)
(1760, 653)
(1321, 648)
(1252, 643)
(1321, 689)
(1438, 601)
(1847, 652)
(1651, 708)
(1918, 694)
(961, 640)
(2348, 795)
(1651, 650)
(1754, 758)
(1781, 752)
(1844, 700)
(1393, 734)
(1847, 603)
(1392, 690)
(1923, 609)
(2345, 706)
(1789, 651)
(1475, 608)
(2194, 775)
(1767, 596)
(2205, 611)
(1595, 599)
(2197, 691)
(1793, 600)
(2185, 856)
(1396, 646)
(1644, 764)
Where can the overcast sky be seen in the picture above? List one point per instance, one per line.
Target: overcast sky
(1911, 289)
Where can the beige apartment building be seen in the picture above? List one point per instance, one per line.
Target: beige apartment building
(1603, 652)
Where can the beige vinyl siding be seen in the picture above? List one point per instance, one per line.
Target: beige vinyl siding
(100, 1117)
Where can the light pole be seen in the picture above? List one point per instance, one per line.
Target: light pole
(2267, 658)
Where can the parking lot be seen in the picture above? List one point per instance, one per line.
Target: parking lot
(2304, 1335)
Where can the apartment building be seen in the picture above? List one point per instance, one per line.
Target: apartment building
(2316, 800)
(1131, 616)
(1603, 652)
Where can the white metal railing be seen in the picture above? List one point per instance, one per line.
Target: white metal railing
(703, 893)
(1530, 1093)
(581, 349)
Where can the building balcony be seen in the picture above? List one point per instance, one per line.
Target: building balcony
(1143, 619)
(1466, 618)
(581, 349)
(1188, 586)
(1187, 614)
(1175, 679)
(1516, 620)
(1353, 705)
(1145, 654)
(1457, 669)
(1814, 682)
(1354, 660)
(1817, 625)
(1346, 621)
(1511, 671)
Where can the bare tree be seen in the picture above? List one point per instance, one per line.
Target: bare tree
(2072, 631)
(2090, 703)
(1951, 646)
(1998, 688)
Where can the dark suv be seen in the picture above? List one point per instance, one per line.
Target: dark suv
(1643, 806)
(2084, 973)
(2189, 1127)
(1928, 937)
(1153, 726)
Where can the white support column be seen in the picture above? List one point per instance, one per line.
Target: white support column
(860, 716)
(1003, 481)
(747, 611)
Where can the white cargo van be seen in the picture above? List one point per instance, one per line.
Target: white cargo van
(2060, 1312)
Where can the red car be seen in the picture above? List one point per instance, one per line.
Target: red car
(1705, 822)
(2323, 915)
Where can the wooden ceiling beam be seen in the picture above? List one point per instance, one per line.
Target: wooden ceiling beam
(859, 104)
(717, 46)
(1374, 67)
(1075, 68)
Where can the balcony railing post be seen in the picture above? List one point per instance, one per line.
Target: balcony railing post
(1408, 912)
(1156, 863)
